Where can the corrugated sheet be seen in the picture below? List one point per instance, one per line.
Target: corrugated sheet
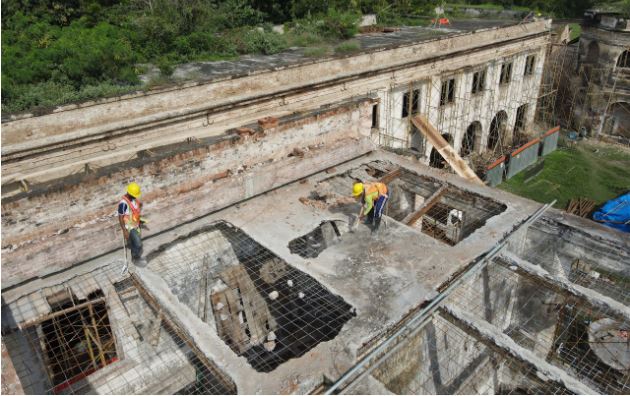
(495, 171)
(523, 157)
(550, 140)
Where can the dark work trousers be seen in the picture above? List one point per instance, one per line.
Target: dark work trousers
(375, 214)
(135, 244)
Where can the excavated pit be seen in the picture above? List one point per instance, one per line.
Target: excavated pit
(262, 308)
(450, 219)
(74, 340)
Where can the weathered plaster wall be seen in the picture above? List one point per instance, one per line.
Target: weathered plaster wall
(110, 131)
(50, 229)
(608, 83)
(454, 118)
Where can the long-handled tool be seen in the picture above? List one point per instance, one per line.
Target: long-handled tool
(126, 266)
(356, 222)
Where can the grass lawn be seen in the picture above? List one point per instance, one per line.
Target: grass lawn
(597, 171)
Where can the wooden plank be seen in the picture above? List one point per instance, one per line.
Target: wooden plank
(216, 299)
(388, 178)
(254, 307)
(446, 150)
(62, 312)
(97, 338)
(411, 218)
(234, 328)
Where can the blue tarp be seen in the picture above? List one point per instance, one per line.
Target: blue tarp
(615, 213)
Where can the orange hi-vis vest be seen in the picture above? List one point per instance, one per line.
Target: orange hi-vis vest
(132, 220)
(381, 188)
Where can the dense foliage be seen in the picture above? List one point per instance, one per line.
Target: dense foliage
(58, 51)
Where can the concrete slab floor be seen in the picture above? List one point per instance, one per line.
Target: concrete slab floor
(383, 277)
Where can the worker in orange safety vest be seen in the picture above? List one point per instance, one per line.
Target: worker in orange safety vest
(373, 198)
(129, 209)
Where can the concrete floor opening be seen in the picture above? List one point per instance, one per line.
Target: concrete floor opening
(260, 306)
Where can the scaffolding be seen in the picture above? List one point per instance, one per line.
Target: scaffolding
(568, 91)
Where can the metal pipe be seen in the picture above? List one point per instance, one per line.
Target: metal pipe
(430, 308)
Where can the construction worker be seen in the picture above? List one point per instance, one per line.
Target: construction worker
(129, 219)
(373, 199)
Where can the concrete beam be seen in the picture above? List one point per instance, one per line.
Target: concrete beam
(499, 342)
(588, 297)
(173, 324)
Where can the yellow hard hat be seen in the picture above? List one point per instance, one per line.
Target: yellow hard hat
(357, 189)
(133, 189)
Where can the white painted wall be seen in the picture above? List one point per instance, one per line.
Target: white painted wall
(454, 118)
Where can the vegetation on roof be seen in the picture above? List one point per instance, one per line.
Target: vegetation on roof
(55, 52)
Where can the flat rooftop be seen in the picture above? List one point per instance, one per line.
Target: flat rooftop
(278, 294)
(298, 243)
(369, 42)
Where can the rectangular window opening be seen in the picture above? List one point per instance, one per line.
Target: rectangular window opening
(415, 103)
(405, 105)
(447, 94)
(529, 65)
(479, 81)
(506, 73)
(375, 116)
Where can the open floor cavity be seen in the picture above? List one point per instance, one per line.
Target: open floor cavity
(324, 235)
(442, 211)
(262, 308)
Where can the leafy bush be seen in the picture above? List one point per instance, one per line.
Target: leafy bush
(257, 41)
(340, 24)
(314, 30)
(51, 93)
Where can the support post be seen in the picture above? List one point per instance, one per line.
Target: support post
(97, 339)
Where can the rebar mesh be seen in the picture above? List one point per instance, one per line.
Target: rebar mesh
(263, 308)
(101, 335)
(579, 334)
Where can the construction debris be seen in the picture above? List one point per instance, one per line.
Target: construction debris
(580, 207)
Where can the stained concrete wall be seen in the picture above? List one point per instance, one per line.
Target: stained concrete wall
(442, 359)
(599, 52)
(56, 226)
(558, 239)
